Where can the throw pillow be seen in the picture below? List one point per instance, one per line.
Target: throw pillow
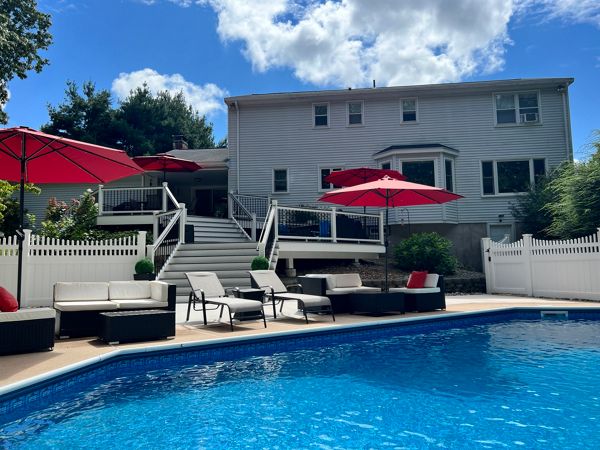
(416, 280)
(8, 302)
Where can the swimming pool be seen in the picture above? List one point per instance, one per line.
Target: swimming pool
(488, 381)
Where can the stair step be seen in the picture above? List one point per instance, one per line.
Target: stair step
(202, 219)
(218, 246)
(225, 234)
(216, 252)
(216, 240)
(206, 266)
(179, 277)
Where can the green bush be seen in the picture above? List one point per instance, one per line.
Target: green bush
(426, 251)
(260, 263)
(144, 266)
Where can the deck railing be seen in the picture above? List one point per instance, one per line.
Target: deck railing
(135, 200)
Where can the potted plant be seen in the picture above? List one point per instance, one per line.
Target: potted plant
(260, 263)
(144, 270)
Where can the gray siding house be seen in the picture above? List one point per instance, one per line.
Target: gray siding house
(487, 141)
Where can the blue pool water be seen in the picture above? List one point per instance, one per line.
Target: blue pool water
(516, 384)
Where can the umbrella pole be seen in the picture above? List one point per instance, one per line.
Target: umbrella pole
(20, 234)
(387, 234)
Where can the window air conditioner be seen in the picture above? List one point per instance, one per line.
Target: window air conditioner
(529, 117)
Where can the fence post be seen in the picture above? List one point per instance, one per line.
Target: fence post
(26, 274)
(381, 228)
(182, 221)
(526, 254)
(141, 244)
(100, 200)
(333, 225)
(154, 226)
(253, 231)
(486, 255)
(164, 196)
(150, 252)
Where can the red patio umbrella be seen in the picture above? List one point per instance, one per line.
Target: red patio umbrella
(352, 177)
(166, 163)
(389, 193)
(30, 156)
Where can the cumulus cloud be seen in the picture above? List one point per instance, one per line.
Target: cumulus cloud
(350, 42)
(206, 99)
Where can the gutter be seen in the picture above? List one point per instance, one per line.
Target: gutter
(567, 124)
(237, 147)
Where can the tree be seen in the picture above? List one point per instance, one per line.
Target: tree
(23, 33)
(88, 117)
(9, 207)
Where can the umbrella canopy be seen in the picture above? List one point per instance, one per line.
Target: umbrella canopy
(166, 163)
(30, 156)
(388, 192)
(352, 177)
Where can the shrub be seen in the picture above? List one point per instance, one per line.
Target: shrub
(426, 251)
(144, 266)
(260, 263)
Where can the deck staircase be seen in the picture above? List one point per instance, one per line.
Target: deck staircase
(219, 246)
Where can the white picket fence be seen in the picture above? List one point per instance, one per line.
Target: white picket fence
(555, 269)
(46, 261)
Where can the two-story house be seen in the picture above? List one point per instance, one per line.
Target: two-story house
(487, 141)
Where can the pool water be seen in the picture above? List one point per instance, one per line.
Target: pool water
(517, 384)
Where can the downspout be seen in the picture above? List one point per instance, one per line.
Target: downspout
(567, 124)
(237, 147)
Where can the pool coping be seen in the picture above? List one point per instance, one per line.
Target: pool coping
(22, 386)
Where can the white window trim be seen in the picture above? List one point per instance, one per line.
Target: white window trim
(518, 122)
(436, 169)
(511, 224)
(386, 161)
(453, 174)
(495, 172)
(416, 111)
(328, 115)
(287, 180)
(319, 188)
(362, 114)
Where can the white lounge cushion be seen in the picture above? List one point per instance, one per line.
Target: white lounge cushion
(139, 303)
(350, 290)
(128, 290)
(307, 299)
(344, 280)
(79, 291)
(416, 290)
(88, 305)
(159, 290)
(28, 314)
(432, 280)
(237, 304)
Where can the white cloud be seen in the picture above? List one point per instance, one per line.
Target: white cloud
(350, 42)
(207, 99)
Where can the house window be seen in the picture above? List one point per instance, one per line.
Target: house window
(517, 108)
(448, 166)
(509, 177)
(386, 165)
(280, 180)
(324, 185)
(422, 172)
(321, 115)
(355, 113)
(408, 110)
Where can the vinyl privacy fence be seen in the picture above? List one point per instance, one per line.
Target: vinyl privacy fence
(46, 261)
(532, 267)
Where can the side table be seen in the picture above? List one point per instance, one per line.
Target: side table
(250, 294)
(138, 325)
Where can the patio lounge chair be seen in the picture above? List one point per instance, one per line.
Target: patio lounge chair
(278, 293)
(208, 290)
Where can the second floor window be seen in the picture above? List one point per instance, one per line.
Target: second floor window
(422, 172)
(280, 180)
(448, 166)
(324, 185)
(355, 113)
(517, 108)
(321, 115)
(408, 110)
(510, 177)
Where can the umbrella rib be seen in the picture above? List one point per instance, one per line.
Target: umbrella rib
(418, 193)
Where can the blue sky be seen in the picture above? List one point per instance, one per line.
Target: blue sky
(216, 48)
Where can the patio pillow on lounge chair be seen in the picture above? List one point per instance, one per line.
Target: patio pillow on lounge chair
(416, 280)
(8, 302)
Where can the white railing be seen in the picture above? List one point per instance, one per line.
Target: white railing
(47, 261)
(134, 201)
(243, 218)
(169, 234)
(268, 236)
(532, 267)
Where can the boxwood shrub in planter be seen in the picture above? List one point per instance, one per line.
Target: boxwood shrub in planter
(144, 270)
(260, 263)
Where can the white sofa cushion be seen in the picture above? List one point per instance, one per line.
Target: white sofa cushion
(350, 290)
(432, 280)
(28, 314)
(129, 290)
(344, 280)
(416, 290)
(80, 291)
(159, 291)
(139, 303)
(87, 305)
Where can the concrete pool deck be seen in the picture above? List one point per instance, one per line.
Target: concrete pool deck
(17, 368)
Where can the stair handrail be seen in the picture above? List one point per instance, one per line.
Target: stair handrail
(162, 249)
(234, 206)
(266, 236)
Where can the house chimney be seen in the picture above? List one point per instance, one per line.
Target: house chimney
(179, 142)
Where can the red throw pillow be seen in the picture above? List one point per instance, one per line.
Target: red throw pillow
(8, 302)
(416, 280)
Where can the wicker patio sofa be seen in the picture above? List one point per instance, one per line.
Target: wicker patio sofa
(338, 287)
(27, 330)
(79, 304)
(428, 298)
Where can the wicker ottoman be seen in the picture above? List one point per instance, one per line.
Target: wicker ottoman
(141, 325)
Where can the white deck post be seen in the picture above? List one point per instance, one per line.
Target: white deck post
(154, 226)
(141, 244)
(333, 225)
(182, 221)
(253, 231)
(381, 228)
(100, 200)
(230, 205)
(275, 219)
(164, 196)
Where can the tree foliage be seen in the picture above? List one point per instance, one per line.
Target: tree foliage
(142, 124)
(23, 33)
(9, 207)
(426, 251)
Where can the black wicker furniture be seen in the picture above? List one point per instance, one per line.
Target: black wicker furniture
(338, 287)
(429, 298)
(27, 330)
(131, 326)
(377, 303)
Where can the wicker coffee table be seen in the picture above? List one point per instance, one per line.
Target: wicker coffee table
(140, 325)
